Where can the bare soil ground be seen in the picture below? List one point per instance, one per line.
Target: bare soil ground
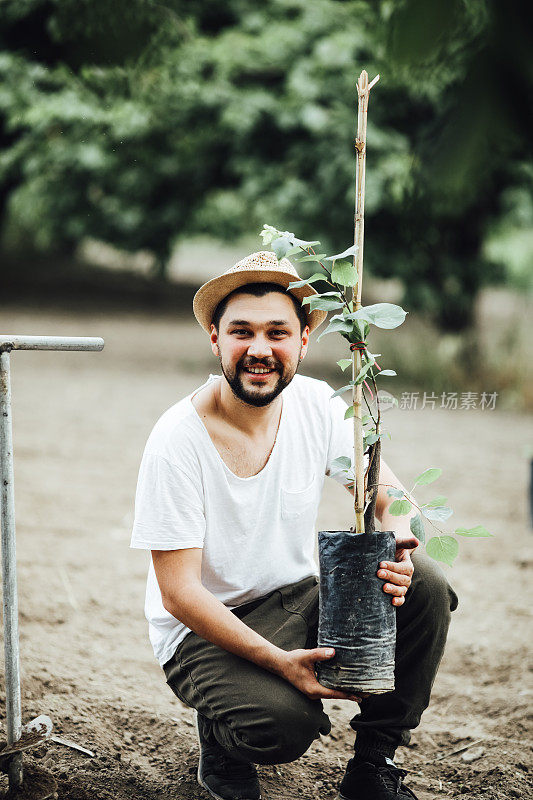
(80, 423)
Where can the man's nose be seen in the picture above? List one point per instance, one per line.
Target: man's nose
(259, 348)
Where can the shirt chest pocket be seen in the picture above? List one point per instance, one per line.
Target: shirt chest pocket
(296, 502)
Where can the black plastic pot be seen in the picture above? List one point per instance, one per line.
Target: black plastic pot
(356, 617)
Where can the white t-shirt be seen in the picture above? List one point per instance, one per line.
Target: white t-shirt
(257, 533)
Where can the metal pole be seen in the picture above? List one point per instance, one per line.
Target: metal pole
(11, 342)
(8, 343)
(9, 574)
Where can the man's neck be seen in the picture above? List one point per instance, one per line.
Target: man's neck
(249, 419)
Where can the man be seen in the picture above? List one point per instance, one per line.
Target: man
(227, 499)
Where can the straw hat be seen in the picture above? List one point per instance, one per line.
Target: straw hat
(262, 267)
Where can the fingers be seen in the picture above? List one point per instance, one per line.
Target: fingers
(398, 578)
(311, 687)
(398, 567)
(319, 654)
(396, 591)
(333, 694)
(324, 693)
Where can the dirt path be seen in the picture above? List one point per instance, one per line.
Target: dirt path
(80, 423)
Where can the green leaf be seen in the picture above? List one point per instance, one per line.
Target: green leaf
(428, 476)
(383, 315)
(318, 276)
(328, 301)
(281, 247)
(443, 548)
(324, 304)
(350, 411)
(312, 257)
(366, 419)
(400, 507)
(362, 372)
(341, 463)
(344, 389)
(398, 493)
(344, 273)
(337, 325)
(351, 251)
(371, 438)
(417, 528)
(362, 329)
(344, 363)
(437, 514)
(386, 372)
(473, 533)
(299, 242)
(437, 501)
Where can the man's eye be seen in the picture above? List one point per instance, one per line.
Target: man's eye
(279, 333)
(240, 332)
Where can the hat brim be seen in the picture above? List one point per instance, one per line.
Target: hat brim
(211, 293)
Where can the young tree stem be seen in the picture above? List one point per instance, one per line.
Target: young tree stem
(363, 91)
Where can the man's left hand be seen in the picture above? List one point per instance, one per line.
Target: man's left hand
(398, 574)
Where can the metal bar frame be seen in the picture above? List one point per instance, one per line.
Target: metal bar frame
(7, 518)
(10, 342)
(9, 574)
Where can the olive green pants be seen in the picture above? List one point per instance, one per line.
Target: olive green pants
(262, 718)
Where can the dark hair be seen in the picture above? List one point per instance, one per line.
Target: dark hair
(259, 290)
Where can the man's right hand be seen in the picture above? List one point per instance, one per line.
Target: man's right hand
(298, 667)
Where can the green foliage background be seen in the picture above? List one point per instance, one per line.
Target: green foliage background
(138, 123)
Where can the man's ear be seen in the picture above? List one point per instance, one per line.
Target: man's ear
(214, 341)
(305, 342)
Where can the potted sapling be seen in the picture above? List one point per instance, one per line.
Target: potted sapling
(356, 617)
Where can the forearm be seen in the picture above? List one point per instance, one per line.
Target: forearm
(389, 522)
(200, 611)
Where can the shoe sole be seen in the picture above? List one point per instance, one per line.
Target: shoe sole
(199, 777)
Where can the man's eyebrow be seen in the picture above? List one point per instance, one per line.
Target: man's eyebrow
(273, 322)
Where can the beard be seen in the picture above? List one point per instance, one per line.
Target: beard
(259, 396)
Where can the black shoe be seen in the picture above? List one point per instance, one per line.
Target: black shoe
(224, 777)
(378, 779)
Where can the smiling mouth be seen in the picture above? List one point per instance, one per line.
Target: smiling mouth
(258, 370)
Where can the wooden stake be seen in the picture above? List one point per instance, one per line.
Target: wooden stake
(363, 92)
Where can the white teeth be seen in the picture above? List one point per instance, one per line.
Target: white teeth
(257, 370)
